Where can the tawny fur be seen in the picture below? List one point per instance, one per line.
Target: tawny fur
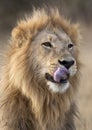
(26, 103)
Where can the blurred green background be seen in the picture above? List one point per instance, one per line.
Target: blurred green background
(11, 10)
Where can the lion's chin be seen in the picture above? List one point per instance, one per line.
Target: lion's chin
(55, 86)
(63, 84)
(58, 88)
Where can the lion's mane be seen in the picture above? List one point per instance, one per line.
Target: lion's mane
(25, 103)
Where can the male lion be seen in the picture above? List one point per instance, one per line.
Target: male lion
(40, 77)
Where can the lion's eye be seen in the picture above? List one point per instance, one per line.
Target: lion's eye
(70, 46)
(47, 44)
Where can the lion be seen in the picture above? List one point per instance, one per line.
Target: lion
(41, 75)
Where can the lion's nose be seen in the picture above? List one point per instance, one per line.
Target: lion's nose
(66, 63)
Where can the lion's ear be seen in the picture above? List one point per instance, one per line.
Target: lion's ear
(19, 36)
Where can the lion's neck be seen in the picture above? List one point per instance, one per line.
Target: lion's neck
(48, 108)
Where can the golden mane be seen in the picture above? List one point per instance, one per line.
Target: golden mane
(24, 105)
(40, 19)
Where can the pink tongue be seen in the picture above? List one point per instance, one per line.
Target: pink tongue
(61, 74)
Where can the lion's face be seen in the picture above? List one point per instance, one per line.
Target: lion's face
(55, 57)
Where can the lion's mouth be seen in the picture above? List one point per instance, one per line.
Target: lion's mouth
(61, 75)
(50, 78)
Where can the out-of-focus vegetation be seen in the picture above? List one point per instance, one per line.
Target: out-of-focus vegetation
(81, 8)
(10, 10)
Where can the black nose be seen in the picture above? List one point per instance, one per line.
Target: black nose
(66, 63)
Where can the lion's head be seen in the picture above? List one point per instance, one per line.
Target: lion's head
(56, 53)
(44, 52)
